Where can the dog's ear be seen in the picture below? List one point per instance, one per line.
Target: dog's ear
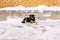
(31, 15)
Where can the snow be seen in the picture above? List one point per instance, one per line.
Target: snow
(13, 29)
(40, 8)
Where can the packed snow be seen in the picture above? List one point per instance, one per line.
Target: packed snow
(13, 29)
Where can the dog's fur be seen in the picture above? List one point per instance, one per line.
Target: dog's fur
(30, 19)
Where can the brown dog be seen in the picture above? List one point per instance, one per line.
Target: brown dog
(30, 19)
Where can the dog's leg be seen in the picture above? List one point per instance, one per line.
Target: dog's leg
(23, 20)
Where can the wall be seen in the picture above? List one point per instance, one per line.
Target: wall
(28, 3)
(55, 15)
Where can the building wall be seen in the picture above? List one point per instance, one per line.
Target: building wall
(55, 15)
(28, 3)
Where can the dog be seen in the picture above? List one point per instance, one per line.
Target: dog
(30, 19)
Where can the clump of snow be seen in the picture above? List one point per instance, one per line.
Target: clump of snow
(47, 15)
(13, 20)
(40, 8)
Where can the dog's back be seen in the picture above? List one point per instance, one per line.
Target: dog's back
(26, 20)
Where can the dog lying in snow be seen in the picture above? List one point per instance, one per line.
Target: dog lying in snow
(30, 19)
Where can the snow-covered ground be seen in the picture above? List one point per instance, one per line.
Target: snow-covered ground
(13, 29)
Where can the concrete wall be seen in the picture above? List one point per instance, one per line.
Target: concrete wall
(55, 15)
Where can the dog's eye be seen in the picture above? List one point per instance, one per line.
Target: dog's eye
(29, 15)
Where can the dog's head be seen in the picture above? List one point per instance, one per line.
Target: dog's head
(32, 17)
